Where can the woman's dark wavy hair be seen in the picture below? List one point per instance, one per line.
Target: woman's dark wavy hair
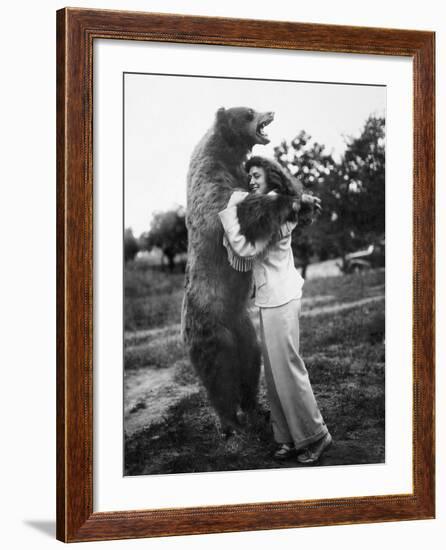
(276, 177)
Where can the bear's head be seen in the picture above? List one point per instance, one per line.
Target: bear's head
(243, 126)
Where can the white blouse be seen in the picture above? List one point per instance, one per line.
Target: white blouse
(277, 280)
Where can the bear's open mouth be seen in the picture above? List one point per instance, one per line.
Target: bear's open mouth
(264, 122)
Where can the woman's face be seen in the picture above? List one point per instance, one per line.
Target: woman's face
(257, 180)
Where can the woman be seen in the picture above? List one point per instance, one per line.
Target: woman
(297, 423)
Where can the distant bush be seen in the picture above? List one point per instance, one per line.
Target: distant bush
(152, 297)
(168, 232)
(131, 247)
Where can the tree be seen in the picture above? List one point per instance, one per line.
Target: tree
(131, 247)
(363, 169)
(355, 192)
(168, 233)
(352, 190)
(307, 160)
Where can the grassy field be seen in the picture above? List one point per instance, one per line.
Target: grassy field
(169, 426)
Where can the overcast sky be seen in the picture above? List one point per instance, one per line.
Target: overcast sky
(165, 116)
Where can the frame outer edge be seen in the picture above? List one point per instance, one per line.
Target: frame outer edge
(424, 254)
(60, 277)
(433, 260)
(75, 518)
(74, 282)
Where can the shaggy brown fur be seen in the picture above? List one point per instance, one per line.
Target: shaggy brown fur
(216, 327)
(261, 216)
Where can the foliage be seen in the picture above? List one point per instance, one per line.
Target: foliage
(352, 189)
(305, 159)
(152, 299)
(168, 232)
(131, 246)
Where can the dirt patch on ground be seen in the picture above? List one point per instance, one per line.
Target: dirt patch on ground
(148, 395)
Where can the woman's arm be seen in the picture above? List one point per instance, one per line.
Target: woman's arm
(238, 242)
(250, 222)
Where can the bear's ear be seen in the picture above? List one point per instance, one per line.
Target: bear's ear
(221, 114)
(224, 123)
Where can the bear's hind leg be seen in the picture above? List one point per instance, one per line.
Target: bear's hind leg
(249, 365)
(215, 360)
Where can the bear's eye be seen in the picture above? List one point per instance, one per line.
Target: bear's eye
(250, 115)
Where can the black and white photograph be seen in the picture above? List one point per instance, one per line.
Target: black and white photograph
(223, 228)
(254, 273)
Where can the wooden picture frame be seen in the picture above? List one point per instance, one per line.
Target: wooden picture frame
(76, 31)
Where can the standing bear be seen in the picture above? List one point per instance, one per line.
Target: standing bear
(216, 327)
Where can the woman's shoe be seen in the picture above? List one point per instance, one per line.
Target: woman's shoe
(313, 453)
(285, 451)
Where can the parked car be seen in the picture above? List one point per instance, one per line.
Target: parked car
(371, 257)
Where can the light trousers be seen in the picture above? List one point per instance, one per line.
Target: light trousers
(295, 416)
